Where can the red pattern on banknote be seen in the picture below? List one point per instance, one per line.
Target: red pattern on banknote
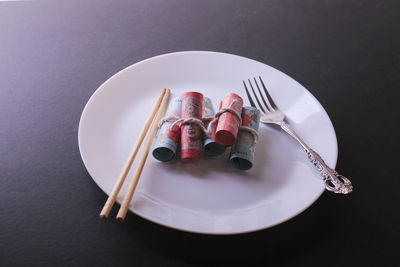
(191, 135)
(246, 119)
(174, 134)
(228, 124)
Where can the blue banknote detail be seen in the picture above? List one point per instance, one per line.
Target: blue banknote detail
(242, 152)
(167, 139)
(210, 147)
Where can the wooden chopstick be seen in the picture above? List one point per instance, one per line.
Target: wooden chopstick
(125, 170)
(145, 151)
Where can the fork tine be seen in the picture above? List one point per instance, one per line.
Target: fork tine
(262, 98)
(273, 105)
(258, 101)
(249, 96)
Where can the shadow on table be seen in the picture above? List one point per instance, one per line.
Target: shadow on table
(302, 237)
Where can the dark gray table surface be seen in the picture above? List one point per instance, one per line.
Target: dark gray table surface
(54, 55)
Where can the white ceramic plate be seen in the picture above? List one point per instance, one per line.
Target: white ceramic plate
(208, 197)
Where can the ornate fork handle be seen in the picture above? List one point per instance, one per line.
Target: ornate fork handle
(333, 181)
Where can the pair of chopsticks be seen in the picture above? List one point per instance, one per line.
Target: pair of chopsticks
(153, 120)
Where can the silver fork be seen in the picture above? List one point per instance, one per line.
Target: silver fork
(271, 114)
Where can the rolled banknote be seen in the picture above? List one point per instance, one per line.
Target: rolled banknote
(225, 132)
(210, 147)
(191, 134)
(242, 153)
(167, 139)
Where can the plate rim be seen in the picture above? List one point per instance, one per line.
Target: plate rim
(147, 60)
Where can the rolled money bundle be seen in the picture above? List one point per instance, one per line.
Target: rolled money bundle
(191, 134)
(242, 153)
(210, 147)
(167, 139)
(225, 132)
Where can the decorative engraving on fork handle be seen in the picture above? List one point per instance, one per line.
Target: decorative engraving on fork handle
(333, 181)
